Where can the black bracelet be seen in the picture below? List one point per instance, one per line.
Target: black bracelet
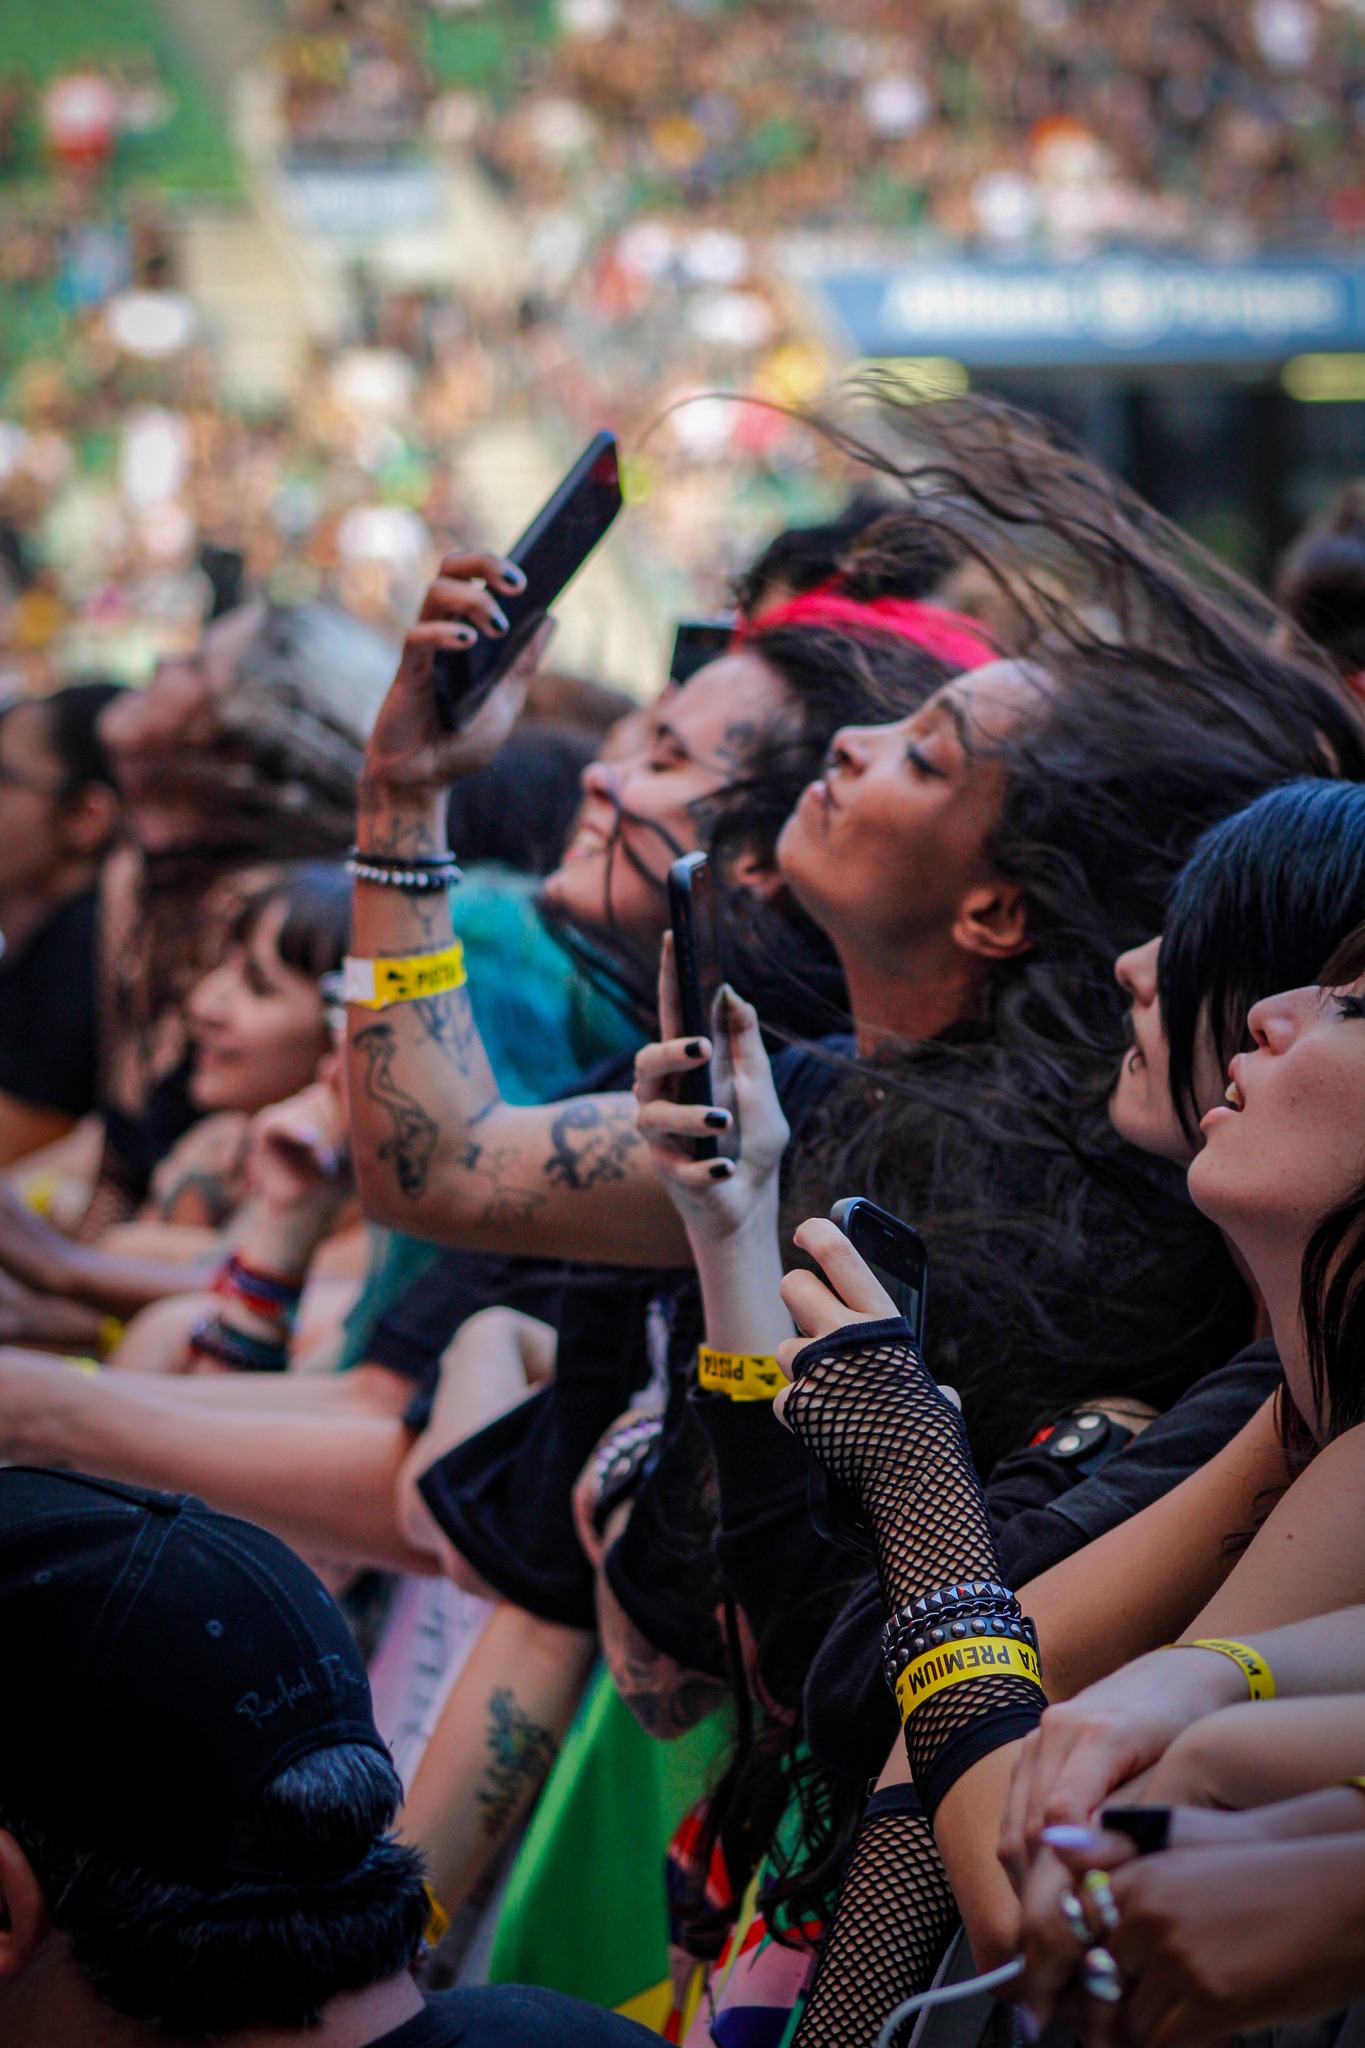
(901, 1646)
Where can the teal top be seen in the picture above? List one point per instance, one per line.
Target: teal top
(544, 1027)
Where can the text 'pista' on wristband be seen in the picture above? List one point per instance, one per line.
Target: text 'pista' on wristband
(1252, 1665)
(739, 1375)
(374, 984)
(958, 1663)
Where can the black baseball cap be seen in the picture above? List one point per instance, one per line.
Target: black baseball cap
(160, 1664)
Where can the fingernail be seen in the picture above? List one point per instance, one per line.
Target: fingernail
(695, 1049)
(1066, 1837)
(465, 636)
(1030, 2026)
(499, 619)
(515, 576)
(718, 1119)
(721, 1169)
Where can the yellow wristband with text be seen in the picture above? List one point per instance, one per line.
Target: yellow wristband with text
(955, 1663)
(438, 1920)
(374, 984)
(740, 1375)
(1252, 1665)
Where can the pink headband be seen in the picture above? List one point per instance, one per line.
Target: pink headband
(949, 636)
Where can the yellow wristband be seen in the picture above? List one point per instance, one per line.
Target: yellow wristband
(739, 1375)
(438, 1920)
(978, 1657)
(1252, 1665)
(374, 984)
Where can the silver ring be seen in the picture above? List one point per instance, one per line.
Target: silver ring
(1097, 1888)
(1073, 1913)
(1100, 1975)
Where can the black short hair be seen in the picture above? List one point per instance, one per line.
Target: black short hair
(1321, 583)
(73, 716)
(316, 931)
(256, 1951)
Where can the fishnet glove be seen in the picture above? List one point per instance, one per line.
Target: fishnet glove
(864, 1404)
(893, 1922)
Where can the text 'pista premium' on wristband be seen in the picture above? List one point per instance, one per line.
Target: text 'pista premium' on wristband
(375, 984)
(418, 876)
(1252, 1665)
(739, 1375)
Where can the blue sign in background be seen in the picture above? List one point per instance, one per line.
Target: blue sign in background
(1112, 310)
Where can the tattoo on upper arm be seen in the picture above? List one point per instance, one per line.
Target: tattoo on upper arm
(589, 1146)
(414, 1132)
(521, 1752)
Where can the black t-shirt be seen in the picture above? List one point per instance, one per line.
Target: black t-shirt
(514, 2016)
(49, 1048)
(1041, 1512)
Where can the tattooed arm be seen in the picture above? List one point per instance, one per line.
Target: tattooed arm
(492, 1746)
(437, 1151)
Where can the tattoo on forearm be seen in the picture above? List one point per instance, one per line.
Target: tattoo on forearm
(590, 1146)
(521, 1752)
(448, 1022)
(414, 1133)
(384, 833)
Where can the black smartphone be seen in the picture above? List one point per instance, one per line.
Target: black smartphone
(894, 1250)
(696, 952)
(552, 550)
(696, 642)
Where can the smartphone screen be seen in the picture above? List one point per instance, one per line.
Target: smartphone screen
(696, 951)
(552, 550)
(697, 642)
(894, 1251)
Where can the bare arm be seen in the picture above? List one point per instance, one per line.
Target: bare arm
(26, 1127)
(323, 1481)
(495, 1741)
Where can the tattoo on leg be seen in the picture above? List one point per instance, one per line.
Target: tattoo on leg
(521, 1753)
(590, 1146)
(414, 1133)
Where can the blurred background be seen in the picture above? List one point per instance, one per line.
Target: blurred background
(294, 293)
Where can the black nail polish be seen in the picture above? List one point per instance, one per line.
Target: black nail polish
(694, 1049)
(721, 1169)
(498, 622)
(718, 1119)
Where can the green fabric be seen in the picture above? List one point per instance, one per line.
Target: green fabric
(543, 1026)
(585, 1910)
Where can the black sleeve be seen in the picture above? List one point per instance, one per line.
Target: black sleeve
(851, 1718)
(48, 1039)
(1191, 1432)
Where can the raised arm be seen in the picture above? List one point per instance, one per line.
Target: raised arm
(437, 1151)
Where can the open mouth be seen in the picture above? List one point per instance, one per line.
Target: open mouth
(1232, 1095)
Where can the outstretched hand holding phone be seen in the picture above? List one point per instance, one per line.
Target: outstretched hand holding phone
(413, 756)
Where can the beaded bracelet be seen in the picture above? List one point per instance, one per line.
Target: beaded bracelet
(268, 1295)
(412, 880)
(215, 1339)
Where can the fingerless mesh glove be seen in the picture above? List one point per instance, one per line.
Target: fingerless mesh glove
(894, 1921)
(866, 1407)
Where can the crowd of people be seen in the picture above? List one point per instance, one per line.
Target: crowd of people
(445, 1448)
